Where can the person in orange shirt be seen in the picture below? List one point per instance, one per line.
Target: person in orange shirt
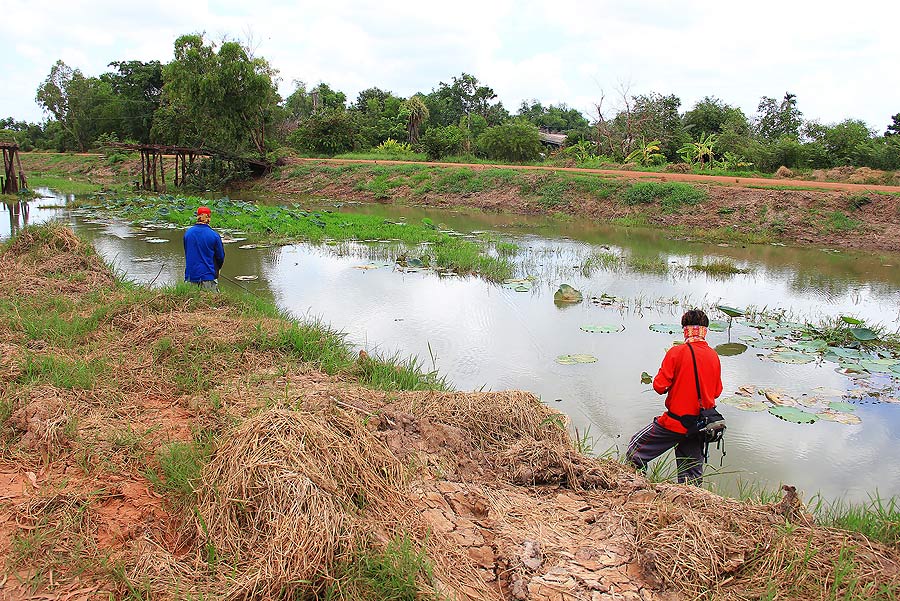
(687, 390)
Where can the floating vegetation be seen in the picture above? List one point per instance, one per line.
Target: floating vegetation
(790, 357)
(646, 378)
(730, 311)
(156, 240)
(575, 359)
(730, 349)
(246, 278)
(744, 404)
(567, 295)
(519, 285)
(794, 415)
(666, 328)
(718, 267)
(717, 326)
(607, 329)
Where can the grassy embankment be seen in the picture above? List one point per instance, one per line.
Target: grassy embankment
(224, 407)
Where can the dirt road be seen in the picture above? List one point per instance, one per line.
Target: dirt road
(665, 177)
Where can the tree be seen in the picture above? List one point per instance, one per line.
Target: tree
(451, 102)
(228, 98)
(416, 114)
(138, 88)
(327, 132)
(894, 128)
(554, 117)
(442, 141)
(778, 120)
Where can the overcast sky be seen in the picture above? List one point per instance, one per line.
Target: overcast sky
(840, 59)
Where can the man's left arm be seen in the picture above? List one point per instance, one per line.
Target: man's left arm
(219, 255)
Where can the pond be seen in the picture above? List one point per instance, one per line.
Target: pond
(488, 336)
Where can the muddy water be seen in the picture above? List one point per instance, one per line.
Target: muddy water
(482, 335)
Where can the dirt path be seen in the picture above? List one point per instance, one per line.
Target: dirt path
(674, 177)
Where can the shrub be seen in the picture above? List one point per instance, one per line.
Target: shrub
(392, 147)
(442, 141)
(518, 141)
(784, 172)
(328, 132)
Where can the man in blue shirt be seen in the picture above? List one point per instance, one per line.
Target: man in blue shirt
(204, 254)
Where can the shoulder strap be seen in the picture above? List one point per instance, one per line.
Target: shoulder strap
(696, 375)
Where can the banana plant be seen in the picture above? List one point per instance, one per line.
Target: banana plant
(645, 154)
(702, 151)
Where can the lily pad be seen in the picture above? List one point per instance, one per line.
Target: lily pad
(575, 359)
(851, 320)
(874, 367)
(602, 329)
(646, 378)
(790, 357)
(840, 417)
(812, 346)
(863, 334)
(730, 311)
(779, 398)
(717, 326)
(841, 406)
(744, 404)
(567, 294)
(667, 328)
(766, 344)
(848, 353)
(246, 278)
(794, 415)
(729, 349)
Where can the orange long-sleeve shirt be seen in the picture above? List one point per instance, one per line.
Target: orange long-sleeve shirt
(676, 377)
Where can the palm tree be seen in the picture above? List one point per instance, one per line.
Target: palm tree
(418, 113)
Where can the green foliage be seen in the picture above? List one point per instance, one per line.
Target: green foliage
(326, 132)
(391, 574)
(392, 147)
(442, 141)
(776, 120)
(701, 152)
(180, 464)
(417, 114)
(554, 117)
(517, 141)
(671, 196)
(60, 372)
(219, 95)
(838, 221)
(397, 373)
(647, 153)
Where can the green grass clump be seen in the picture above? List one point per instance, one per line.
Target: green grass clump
(396, 373)
(653, 265)
(506, 249)
(60, 372)
(180, 464)
(878, 519)
(718, 267)
(391, 574)
(607, 261)
(63, 185)
(838, 221)
(670, 196)
(312, 342)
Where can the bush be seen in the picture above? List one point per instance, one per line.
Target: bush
(784, 172)
(518, 141)
(327, 132)
(392, 147)
(442, 141)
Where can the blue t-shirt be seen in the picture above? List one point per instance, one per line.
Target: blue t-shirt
(203, 253)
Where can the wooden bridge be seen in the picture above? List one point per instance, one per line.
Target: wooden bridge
(12, 180)
(153, 170)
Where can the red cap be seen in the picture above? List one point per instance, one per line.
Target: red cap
(204, 211)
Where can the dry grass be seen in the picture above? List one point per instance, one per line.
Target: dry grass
(286, 492)
(540, 462)
(493, 419)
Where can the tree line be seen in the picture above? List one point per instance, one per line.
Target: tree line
(219, 95)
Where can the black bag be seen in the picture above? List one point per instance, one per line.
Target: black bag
(709, 425)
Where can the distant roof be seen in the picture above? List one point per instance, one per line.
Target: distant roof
(555, 139)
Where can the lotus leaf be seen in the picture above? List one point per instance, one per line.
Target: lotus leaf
(518, 284)
(748, 339)
(886, 361)
(729, 349)
(744, 404)
(851, 320)
(848, 353)
(415, 263)
(839, 417)
(766, 344)
(841, 406)
(666, 328)
(730, 311)
(602, 329)
(717, 326)
(863, 334)
(522, 288)
(812, 346)
(748, 390)
(854, 372)
(575, 359)
(812, 402)
(567, 294)
(794, 415)
(790, 357)
(246, 278)
(646, 378)
(875, 368)
(895, 369)
(779, 398)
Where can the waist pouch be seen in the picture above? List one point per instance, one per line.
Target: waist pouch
(709, 420)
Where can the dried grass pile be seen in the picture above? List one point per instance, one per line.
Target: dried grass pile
(285, 493)
(531, 462)
(46, 256)
(713, 547)
(493, 419)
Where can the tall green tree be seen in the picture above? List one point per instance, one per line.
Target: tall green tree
(416, 114)
(449, 103)
(894, 128)
(776, 120)
(554, 117)
(138, 89)
(226, 98)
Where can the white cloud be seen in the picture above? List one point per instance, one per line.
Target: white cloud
(839, 64)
